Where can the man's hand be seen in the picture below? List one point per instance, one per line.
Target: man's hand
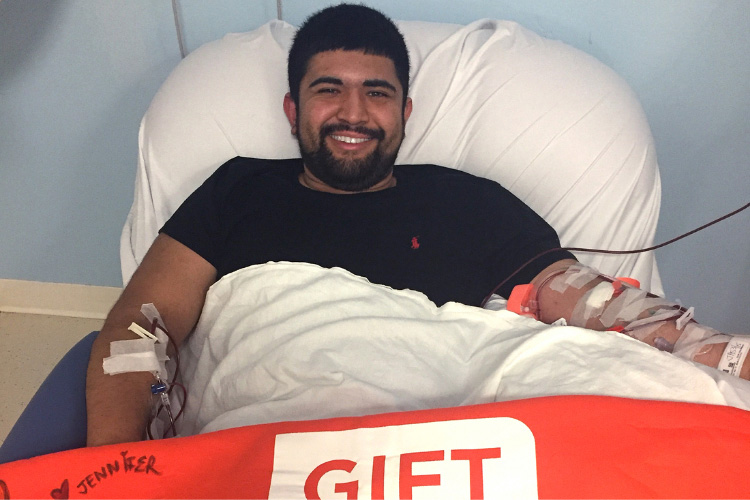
(175, 279)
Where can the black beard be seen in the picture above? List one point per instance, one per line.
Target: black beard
(347, 174)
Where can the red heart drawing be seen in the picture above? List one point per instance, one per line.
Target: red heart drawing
(61, 492)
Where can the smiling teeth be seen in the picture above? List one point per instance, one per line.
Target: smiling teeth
(351, 140)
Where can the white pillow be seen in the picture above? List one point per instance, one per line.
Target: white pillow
(555, 126)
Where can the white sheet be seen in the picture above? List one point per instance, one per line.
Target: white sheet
(291, 341)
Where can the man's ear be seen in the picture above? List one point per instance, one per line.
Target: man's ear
(290, 110)
(407, 109)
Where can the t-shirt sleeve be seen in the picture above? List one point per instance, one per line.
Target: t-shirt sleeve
(527, 245)
(199, 223)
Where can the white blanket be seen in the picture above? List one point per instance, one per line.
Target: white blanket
(290, 341)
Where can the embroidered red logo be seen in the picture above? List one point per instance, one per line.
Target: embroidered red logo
(415, 243)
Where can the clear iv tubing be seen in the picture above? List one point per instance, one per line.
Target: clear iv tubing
(613, 252)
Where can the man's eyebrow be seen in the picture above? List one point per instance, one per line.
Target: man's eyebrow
(373, 82)
(326, 79)
(379, 83)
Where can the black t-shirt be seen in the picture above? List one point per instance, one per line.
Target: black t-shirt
(446, 233)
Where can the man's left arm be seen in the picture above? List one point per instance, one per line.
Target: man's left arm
(585, 298)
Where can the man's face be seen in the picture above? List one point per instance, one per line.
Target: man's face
(350, 119)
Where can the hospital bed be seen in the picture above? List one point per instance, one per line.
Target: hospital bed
(397, 398)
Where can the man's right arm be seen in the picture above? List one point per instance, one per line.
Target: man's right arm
(175, 279)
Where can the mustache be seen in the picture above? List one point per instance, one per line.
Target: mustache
(342, 127)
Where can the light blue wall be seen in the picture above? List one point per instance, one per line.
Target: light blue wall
(204, 21)
(78, 74)
(75, 80)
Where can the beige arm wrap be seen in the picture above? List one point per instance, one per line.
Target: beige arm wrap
(586, 298)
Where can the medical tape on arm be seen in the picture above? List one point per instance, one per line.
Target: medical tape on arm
(592, 303)
(152, 315)
(604, 301)
(660, 311)
(627, 309)
(621, 303)
(146, 354)
(615, 304)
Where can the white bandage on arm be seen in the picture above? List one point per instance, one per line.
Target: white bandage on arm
(146, 354)
(137, 355)
(611, 304)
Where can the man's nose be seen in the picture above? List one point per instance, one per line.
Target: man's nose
(353, 108)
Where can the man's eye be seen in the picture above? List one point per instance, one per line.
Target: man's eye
(378, 93)
(327, 90)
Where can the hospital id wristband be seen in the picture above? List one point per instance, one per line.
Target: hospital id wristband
(734, 356)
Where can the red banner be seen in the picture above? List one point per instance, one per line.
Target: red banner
(554, 447)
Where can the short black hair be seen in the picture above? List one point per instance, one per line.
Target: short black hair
(347, 27)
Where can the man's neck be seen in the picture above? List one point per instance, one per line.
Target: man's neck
(307, 179)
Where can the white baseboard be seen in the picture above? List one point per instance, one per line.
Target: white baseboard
(57, 299)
